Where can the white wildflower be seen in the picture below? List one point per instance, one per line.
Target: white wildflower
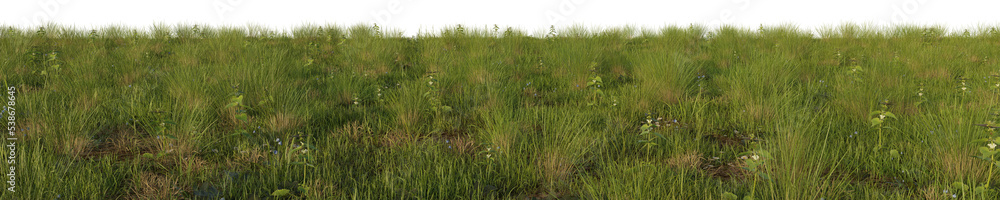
(992, 145)
(755, 157)
(881, 116)
(963, 88)
(920, 94)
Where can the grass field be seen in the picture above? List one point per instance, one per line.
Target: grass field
(360, 112)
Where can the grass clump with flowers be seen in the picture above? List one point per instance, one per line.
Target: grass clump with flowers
(331, 112)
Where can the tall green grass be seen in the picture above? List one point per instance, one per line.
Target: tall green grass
(336, 112)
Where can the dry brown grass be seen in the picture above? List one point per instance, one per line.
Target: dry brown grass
(758, 110)
(480, 76)
(32, 128)
(932, 192)
(248, 156)
(118, 142)
(282, 122)
(407, 118)
(189, 59)
(74, 145)
(85, 102)
(155, 186)
(933, 73)
(192, 100)
(556, 167)
(669, 95)
(395, 139)
(462, 144)
(959, 165)
(688, 160)
(354, 130)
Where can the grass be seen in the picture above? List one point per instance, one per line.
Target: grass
(361, 112)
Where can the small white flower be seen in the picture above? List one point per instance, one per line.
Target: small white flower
(430, 82)
(755, 157)
(963, 88)
(881, 116)
(355, 103)
(649, 121)
(920, 94)
(992, 145)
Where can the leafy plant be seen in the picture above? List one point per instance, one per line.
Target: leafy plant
(647, 132)
(241, 113)
(878, 117)
(51, 66)
(594, 85)
(755, 159)
(988, 153)
(162, 124)
(434, 96)
(964, 88)
(855, 73)
(920, 95)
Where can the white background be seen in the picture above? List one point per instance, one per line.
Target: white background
(535, 16)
